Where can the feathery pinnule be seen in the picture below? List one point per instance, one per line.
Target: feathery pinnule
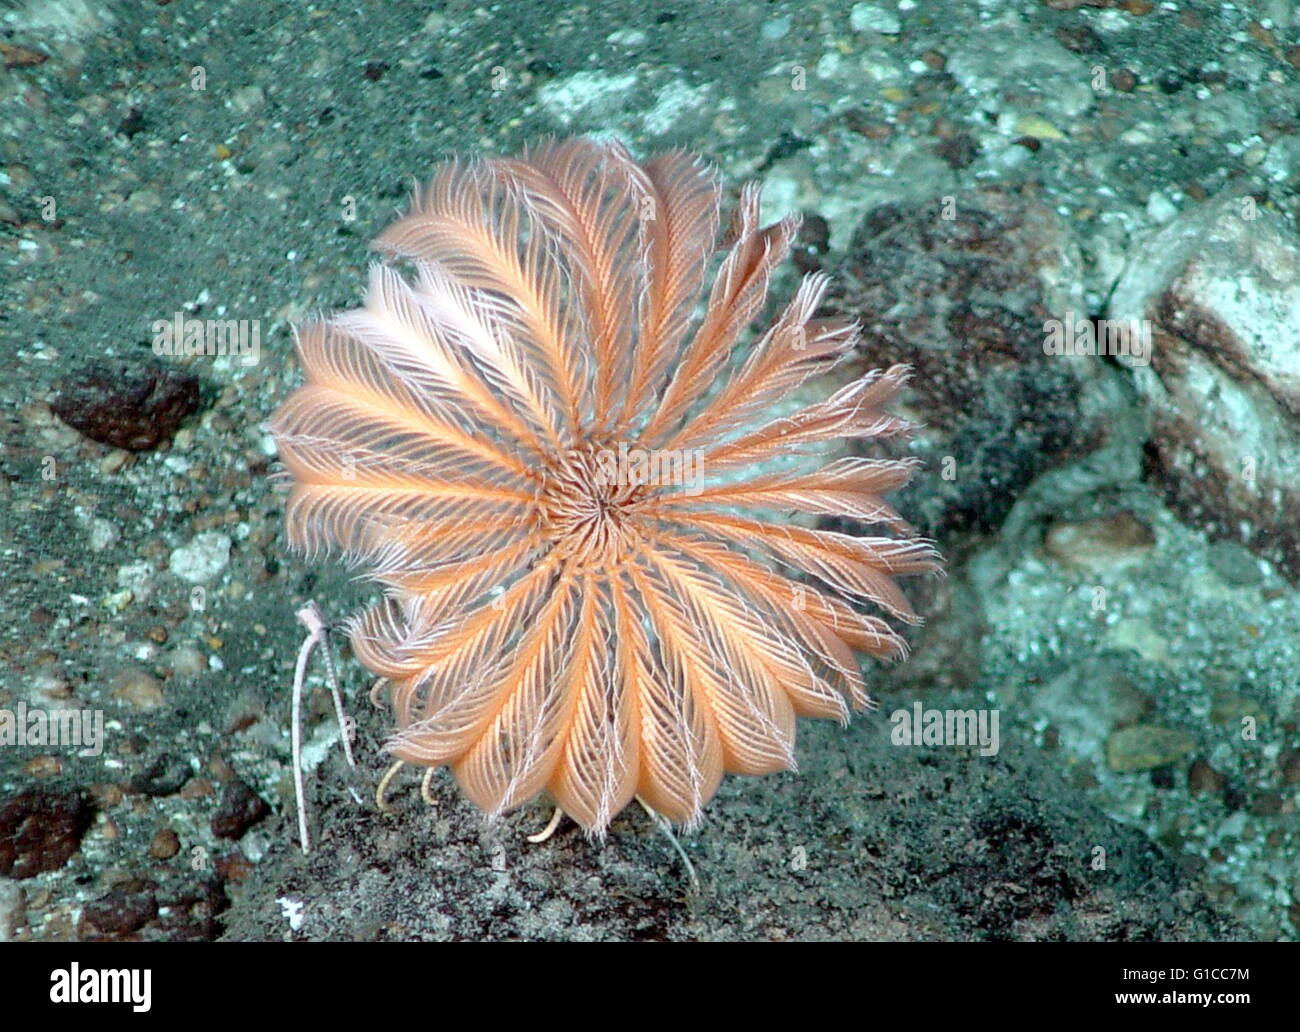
(553, 621)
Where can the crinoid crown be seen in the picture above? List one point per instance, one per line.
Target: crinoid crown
(575, 493)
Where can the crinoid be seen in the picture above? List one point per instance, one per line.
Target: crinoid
(575, 496)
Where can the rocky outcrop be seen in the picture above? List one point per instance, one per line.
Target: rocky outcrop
(1218, 289)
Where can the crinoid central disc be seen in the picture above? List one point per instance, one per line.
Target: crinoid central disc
(586, 504)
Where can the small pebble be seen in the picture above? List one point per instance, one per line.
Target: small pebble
(165, 775)
(165, 845)
(188, 661)
(1146, 747)
(137, 688)
(239, 810)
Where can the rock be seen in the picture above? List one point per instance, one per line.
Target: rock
(1234, 563)
(190, 910)
(13, 909)
(247, 99)
(968, 301)
(163, 776)
(166, 907)
(1088, 700)
(136, 405)
(1052, 82)
(1203, 779)
(121, 912)
(165, 844)
(1232, 707)
(239, 810)
(103, 534)
(1104, 543)
(1267, 804)
(1146, 747)
(871, 18)
(1219, 288)
(139, 688)
(15, 56)
(203, 559)
(138, 579)
(1289, 765)
(40, 830)
(188, 661)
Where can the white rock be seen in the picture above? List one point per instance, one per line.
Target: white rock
(870, 18)
(203, 559)
(138, 577)
(586, 95)
(776, 28)
(103, 534)
(1217, 291)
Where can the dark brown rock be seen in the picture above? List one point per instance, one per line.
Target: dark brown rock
(812, 243)
(135, 405)
(1080, 38)
(239, 810)
(966, 300)
(40, 830)
(1289, 764)
(1203, 779)
(959, 150)
(170, 908)
(193, 910)
(122, 911)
